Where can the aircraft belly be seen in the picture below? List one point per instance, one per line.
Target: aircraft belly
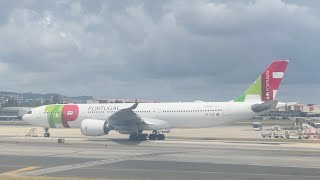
(190, 121)
(75, 124)
(42, 122)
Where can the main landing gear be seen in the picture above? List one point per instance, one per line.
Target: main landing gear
(138, 137)
(46, 134)
(155, 135)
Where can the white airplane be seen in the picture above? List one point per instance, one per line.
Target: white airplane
(134, 118)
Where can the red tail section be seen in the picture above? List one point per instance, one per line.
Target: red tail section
(271, 79)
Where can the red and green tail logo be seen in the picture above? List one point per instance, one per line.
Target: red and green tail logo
(267, 85)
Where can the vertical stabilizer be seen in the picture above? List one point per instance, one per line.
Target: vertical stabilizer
(266, 86)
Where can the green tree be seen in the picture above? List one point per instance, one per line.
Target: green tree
(56, 99)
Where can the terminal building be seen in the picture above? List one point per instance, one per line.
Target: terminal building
(296, 110)
(12, 113)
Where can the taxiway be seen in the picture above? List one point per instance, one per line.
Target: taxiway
(174, 158)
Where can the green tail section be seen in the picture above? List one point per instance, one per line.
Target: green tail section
(254, 91)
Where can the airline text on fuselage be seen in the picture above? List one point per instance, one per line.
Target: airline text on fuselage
(103, 108)
(267, 85)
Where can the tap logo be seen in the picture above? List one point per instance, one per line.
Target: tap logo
(69, 113)
(61, 115)
(267, 88)
(271, 79)
(267, 85)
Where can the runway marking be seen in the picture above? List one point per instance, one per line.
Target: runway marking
(93, 163)
(205, 172)
(1, 165)
(14, 172)
(61, 154)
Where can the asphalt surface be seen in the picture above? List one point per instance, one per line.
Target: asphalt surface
(169, 159)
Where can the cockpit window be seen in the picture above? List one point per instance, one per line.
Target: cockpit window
(29, 112)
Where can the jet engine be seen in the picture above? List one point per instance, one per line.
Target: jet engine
(94, 127)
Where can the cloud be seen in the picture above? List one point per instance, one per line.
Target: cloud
(168, 50)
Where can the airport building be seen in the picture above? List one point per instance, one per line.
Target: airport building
(296, 110)
(309, 109)
(13, 113)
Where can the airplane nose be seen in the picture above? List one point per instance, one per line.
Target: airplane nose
(24, 117)
(27, 117)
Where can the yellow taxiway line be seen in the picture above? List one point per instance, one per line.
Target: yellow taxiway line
(14, 172)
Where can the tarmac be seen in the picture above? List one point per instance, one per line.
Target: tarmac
(185, 154)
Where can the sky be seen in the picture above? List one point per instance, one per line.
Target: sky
(168, 50)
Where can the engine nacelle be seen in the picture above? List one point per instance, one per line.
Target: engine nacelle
(94, 127)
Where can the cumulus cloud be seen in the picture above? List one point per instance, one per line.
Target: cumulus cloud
(168, 50)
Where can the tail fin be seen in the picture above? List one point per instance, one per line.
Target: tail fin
(266, 86)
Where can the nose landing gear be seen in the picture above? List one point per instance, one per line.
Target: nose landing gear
(46, 134)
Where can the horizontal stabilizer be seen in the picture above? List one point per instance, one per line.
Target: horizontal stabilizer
(267, 105)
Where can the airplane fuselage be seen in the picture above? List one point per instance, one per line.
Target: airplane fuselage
(134, 118)
(178, 115)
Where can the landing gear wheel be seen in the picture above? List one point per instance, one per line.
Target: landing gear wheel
(46, 134)
(133, 137)
(138, 137)
(142, 137)
(161, 136)
(153, 136)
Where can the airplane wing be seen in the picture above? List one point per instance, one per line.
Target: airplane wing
(127, 121)
(125, 117)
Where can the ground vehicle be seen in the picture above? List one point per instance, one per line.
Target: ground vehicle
(276, 128)
(292, 134)
(257, 126)
(279, 134)
(267, 133)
